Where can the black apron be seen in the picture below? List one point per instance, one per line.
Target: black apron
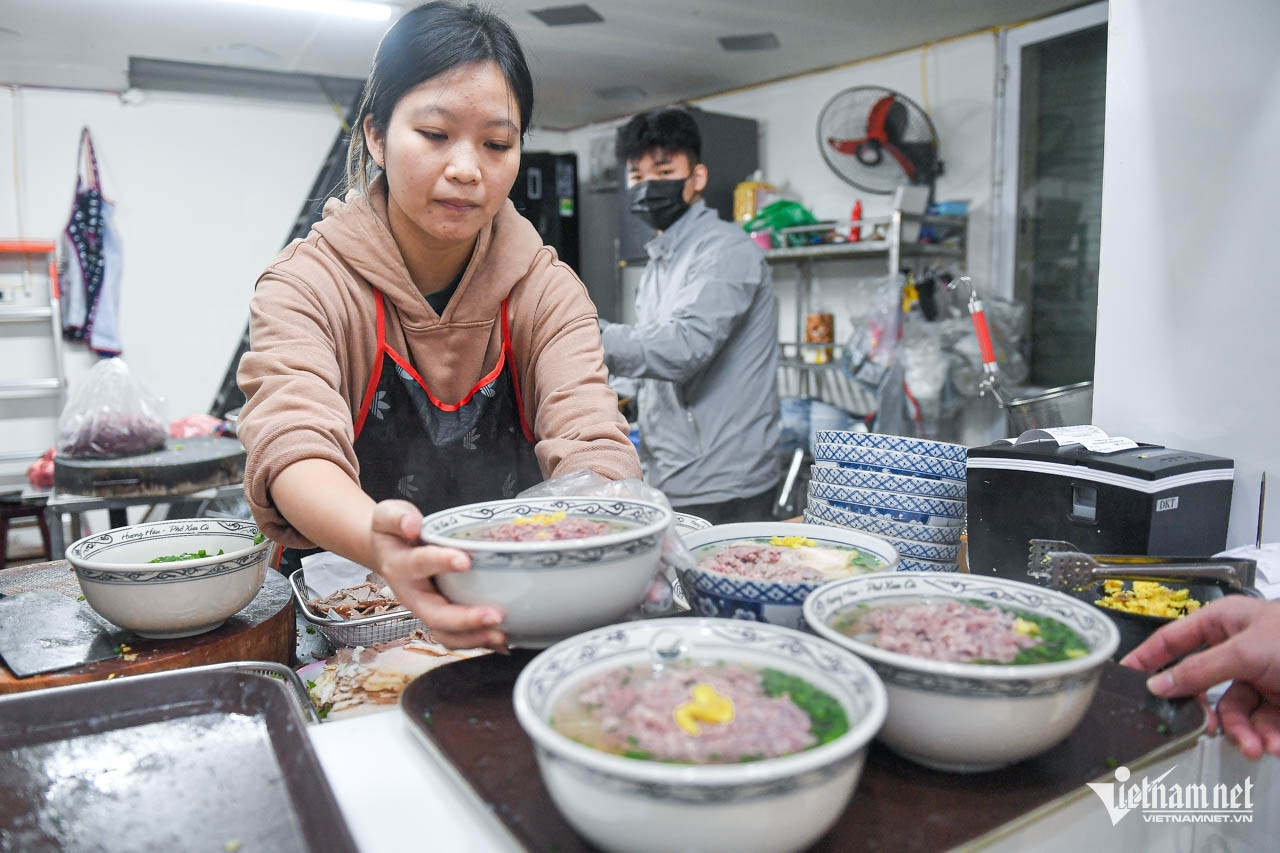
(438, 455)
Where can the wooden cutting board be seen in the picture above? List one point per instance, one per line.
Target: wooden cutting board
(263, 630)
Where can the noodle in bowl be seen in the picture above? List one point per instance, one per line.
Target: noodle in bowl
(972, 716)
(630, 804)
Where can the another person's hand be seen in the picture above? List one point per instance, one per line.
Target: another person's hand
(410, 567)
(1242, 636)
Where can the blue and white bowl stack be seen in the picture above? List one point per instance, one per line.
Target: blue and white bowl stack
(910, 491)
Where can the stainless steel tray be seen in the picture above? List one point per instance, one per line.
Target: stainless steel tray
(213, 757)
(362, 631)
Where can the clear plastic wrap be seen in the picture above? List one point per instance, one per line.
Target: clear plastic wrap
(675, 555)
(111, 413)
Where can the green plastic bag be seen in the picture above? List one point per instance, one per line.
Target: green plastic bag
(779, 215)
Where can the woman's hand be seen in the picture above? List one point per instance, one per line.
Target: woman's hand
(410, 568)
(1242, 636)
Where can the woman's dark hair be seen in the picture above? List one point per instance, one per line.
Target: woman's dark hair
(670, 129)
(430, 40)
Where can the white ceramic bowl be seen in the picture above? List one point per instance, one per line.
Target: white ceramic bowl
(686, 523)
(552, 589)
(965, 717)
(625, 804)
(172, 599)
(777, 602)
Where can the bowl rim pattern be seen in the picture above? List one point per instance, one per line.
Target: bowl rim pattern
(81, 552)
(652, 522)
(882, 526)
(897, 443)
(717, 534)
(564, 662)
(967, 679)
(892, 461)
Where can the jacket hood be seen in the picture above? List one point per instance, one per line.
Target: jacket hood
(357, 227)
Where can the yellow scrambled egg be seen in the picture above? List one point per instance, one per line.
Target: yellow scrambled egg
(1148, 598)
(707, 706)
(792, 542)
(541, 518)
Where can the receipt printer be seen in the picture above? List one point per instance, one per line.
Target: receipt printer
(1140, 500)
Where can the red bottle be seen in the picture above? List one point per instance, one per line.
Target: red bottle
(855, 230)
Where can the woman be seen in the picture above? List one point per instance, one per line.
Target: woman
(421, 348)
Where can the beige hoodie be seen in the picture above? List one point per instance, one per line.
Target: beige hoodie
(313, 332)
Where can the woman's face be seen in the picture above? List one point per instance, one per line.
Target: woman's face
(451, 152)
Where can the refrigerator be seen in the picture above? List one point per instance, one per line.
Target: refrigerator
(546, 193)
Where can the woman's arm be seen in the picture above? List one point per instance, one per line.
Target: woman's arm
(324, 504)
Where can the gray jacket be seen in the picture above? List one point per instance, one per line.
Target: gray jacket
(705, 347)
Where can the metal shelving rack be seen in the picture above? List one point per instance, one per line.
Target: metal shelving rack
(26, 315)
(829, 380)
(892, 247)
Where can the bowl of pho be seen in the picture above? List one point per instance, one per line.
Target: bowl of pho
(763, 571)
(555, 566)
(981, 671)
(699, 734)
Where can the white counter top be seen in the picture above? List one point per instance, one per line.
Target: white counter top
(415, 796)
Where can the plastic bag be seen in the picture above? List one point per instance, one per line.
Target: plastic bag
(197, 426)
(779, 215)
(675, 554)
(111, 414)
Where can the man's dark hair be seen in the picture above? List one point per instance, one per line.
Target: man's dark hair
(670, 129)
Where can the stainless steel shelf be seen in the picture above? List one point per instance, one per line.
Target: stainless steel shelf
(20, 455)
(13, 389)
(14, 314)
(863, 248)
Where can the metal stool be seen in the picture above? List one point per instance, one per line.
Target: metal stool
(10, 510)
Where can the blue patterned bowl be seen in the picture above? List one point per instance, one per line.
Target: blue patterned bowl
(775, 804)
(940, 507)
(552, 589)
(966, 717)
(919, 564)
(838, 475)
(777, 602)
(890, 461)
(829, 513)
(908, 549)
(171, 599)
(896, 443)
(885, 505)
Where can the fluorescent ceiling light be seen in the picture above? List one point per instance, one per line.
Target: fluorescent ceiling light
(363, 9)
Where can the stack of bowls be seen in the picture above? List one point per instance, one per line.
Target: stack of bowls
(910, 491)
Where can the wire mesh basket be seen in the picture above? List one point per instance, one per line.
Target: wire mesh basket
(362, 631)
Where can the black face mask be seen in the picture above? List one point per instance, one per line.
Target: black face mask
(659, 203)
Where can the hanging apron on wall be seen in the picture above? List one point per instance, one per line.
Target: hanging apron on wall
(93, 261)
(437, 455)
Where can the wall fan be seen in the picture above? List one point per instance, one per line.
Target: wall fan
(877, 140)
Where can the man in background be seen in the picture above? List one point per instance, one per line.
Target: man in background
(704, 346)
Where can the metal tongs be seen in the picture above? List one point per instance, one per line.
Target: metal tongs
(1065, 567)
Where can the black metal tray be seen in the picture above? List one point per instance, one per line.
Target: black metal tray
(207, 758)
(464, 711)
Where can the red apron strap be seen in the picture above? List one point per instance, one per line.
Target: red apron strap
(371, 389)
(515, 374)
